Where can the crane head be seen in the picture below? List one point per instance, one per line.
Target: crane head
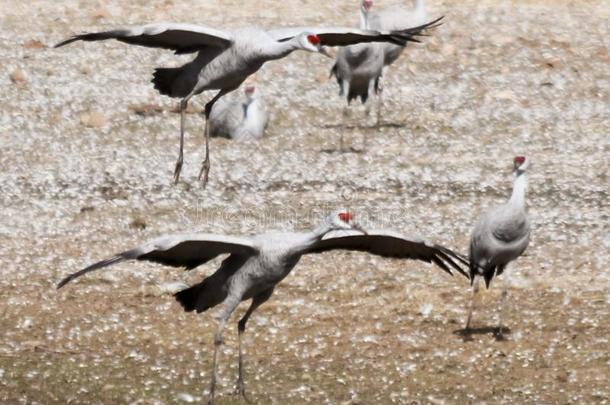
(520, 164)
(343, 220)
(250, 92)
(313, 43)
(367, 5)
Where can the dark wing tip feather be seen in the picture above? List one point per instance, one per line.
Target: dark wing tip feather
(409, 33)
(93, 267)
(94, 36)
(451, 257)
(66, 41)
(440, 263)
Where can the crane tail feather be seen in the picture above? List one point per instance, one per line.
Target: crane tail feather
(165, 81)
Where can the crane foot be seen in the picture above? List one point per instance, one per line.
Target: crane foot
(177, 170)
(240, 389)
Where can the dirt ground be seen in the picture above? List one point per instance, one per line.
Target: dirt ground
(87, 155)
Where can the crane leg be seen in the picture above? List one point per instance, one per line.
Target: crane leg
(346, 113)
(259, 299)
(205, 166)
(503, 299)
(178, 169)
(217, 344)
(475, 290)
(228, 306)
(379, 102)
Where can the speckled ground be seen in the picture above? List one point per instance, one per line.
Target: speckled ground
(84, 174)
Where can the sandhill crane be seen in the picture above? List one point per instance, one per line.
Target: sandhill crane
(257, 264)
(390, 19)
(237, 119)
(226, 58)
(500, 236)
(358, 69)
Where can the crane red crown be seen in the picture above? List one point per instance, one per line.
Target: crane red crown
(346, 216)
(250, 89)
(314, 39)
(519, 160)
(367, 4)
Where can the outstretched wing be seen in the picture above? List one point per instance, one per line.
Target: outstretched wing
(188, 250)
(182, 38)
(389, 244)
(340, 36)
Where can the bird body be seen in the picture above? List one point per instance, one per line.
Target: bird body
(226, 58)
(256, 264)
(357, 69)
(217, 69)
(499, 237)
(240, 119)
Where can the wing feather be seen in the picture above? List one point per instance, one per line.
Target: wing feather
(187, 250)
(390, 244)
(182, 38)
(341, 36)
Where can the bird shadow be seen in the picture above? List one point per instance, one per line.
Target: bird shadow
(362, 126)
(344, 150)
(499, 333)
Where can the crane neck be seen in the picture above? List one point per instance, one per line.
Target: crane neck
(519, 188)
(254, 121)
(364, 19)
(313, 237)
(280, 49)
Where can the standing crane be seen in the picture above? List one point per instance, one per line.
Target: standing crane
(500, 236)
(358, 69)
(390, 19)
(226, 58)
(256, 264)
(239, 120)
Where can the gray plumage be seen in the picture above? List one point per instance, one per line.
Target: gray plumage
(500, 235)
(224, 59)
(240, 119)
(256, 264)
(393, 19)
(357, 70)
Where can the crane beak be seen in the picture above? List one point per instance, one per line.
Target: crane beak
(324, 51)
(357, 227)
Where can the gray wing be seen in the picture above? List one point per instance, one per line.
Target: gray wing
(188, 250)
(340, 36)
(389, 244)
(182, 38)
(509, 230)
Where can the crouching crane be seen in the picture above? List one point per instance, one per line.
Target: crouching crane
(256, 264)
(240, 120)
